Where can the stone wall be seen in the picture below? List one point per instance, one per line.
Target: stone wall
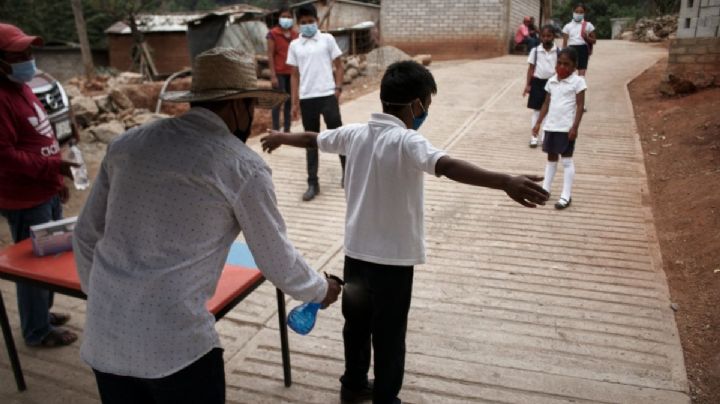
(696, 60)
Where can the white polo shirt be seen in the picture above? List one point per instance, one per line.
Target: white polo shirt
(563, 102)
(384, 221)
(573, 30)
(313, 57)
(546, 61)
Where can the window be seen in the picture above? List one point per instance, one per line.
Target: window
(690, 3)
(687, 22)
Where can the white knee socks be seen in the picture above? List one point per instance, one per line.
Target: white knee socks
(569, 176)
(533, 121)
(550, 170)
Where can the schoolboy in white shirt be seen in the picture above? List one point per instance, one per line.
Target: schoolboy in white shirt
(315, 90)
(384, 230)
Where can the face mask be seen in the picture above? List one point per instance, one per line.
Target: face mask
(562, 72)
(240, 133)
(23, 72)
(578, 17)
(286, 23)
(308, 30)
(548, 44)
(420, 119)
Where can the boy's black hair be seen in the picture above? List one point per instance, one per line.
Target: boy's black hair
(405, 82)
(306, 10)
(283, 9)
(571, 53)
(580, 5)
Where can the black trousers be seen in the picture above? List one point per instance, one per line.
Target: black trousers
(375, 304)
(203, 381)
(283, 85)
(311, 109)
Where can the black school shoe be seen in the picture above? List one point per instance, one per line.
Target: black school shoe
(563, 203)
(311, 192)
(348, 396)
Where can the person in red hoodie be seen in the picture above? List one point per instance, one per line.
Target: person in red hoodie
(31, 177)
(278, 41)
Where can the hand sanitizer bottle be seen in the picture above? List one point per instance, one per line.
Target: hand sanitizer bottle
(302, 318)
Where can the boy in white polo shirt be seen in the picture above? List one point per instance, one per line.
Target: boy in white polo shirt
(384, 229)
(564, 110)
(541, 66)
(315, 90)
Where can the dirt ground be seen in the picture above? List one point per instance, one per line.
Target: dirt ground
(681, 143)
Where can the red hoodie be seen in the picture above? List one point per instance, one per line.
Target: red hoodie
(29, 152)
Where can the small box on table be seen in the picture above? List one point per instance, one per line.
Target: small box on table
(53, 237)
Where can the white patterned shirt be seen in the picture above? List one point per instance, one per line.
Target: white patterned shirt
(152, 240)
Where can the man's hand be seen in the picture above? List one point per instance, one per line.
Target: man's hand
(527, 90)
(64, 195)
(572, 135)
(274, 81)
(65, 168)
(272, 141)
(524, 190)
(333, 291)
(338, 93)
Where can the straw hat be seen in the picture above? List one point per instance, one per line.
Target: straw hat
(225, 74)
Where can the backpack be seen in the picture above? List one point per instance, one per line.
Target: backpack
(585, 37)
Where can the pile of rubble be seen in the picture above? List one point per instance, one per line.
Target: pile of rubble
(103, 110)
(656, 29)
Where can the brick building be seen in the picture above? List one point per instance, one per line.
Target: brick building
(457, 28)
(695, 54)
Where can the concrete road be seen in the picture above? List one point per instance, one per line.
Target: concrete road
(515, 305)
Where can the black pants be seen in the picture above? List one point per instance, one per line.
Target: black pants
(203, 381)
(283, 85)
(311, 109)
(375, 304)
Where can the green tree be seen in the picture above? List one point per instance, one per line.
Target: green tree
(599, 12)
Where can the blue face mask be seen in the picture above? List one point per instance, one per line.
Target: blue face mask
(308, 30)
(578, 17)
(23, 72)
(286, 23)
(420, 119)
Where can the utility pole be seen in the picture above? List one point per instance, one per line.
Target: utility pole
(82, 36)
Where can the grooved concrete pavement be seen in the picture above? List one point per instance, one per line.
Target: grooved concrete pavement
(514, 305)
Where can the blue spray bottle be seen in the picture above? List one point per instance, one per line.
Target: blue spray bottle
(302, 318)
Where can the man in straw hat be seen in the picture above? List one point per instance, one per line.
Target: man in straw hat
(32, 189)
(150, 244)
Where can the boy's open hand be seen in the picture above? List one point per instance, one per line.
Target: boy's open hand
(524, 190)
(271, 141)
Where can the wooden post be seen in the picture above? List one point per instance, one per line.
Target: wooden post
(84, 42)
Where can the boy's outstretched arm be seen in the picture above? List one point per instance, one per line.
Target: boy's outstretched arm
(522, 188)
(275, 139)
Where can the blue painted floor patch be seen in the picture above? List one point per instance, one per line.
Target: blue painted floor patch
(240, 255)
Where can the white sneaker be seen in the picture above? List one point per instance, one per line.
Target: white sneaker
(533, 142)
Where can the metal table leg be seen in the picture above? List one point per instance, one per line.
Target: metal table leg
(282, 318)
(10, 344)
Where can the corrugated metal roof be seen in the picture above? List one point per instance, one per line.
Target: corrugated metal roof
(357, 3)
(177, 22)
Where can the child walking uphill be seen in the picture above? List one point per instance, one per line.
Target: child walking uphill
(563, 109)
(384, 239)
(541, 66)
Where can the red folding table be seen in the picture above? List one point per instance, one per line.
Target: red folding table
(57, 273)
